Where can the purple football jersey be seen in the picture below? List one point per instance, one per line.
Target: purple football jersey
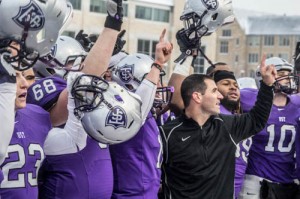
(241, 156)
(25, 153)
(271, 155)
(248, 98)
(136, 164)
(46, 91)
(86, 174)
(167, 116)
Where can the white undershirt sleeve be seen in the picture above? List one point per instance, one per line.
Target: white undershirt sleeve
(147, 92)
(7, 116)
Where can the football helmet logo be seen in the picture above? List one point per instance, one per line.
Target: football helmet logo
(116, 118)
(30, 14)
(126, 73)
(211, 4)
(131, 70)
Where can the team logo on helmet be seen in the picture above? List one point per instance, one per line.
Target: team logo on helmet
(116, 118)
(31, 15)
(126, 73)
(211, 4)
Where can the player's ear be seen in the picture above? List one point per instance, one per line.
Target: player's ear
(197, 97)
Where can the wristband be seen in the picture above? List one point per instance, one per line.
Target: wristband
(156, 65)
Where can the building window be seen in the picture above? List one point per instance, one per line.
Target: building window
(224, 47)
(69, 33)
(269, 55)
(153, 14)
(284, 41)
(76, 4)
(160, 15)
(226, 33)
(199, 62)
(147, 47)
(269, 40)
(237, 42)
(98, 6)
(253, 58)
(253, 41)
(283, 56)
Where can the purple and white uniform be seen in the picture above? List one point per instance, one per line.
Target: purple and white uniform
(45, 92)
(85, 173)
(167, 116)
(25, 153)
(272, 152)
(136, 164)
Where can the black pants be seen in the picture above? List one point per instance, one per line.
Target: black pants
(270, 190)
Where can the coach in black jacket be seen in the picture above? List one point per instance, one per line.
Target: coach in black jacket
(199, 146)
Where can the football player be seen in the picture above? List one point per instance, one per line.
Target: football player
(271, 163)
(136, 163)
(21, 23)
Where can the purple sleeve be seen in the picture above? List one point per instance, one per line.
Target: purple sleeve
(45, 92)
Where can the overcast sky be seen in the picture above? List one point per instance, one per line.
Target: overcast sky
(288, 7)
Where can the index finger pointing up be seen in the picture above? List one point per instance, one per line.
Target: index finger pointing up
(161, 38)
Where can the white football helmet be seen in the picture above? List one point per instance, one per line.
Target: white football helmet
(291, 81)
(109, 113)
(67, 53)
(203, 17)
(246, 82)
(35, 25)
(131, 70)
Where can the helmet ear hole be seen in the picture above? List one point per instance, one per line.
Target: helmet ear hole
(215, 16)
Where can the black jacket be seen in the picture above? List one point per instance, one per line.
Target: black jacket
(199, 161)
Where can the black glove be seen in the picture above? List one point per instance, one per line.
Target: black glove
(187, 46)
(114, 19)
(119, 43)
(84, 40)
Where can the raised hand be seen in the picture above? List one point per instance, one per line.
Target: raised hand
(115, 9)
(119, 43)
(114, 19)
(268, 73)
(84, 40)
(163, 49)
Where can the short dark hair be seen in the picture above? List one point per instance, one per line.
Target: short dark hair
(193, 83)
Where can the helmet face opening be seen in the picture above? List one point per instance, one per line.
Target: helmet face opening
(24, 59)
(194, 29)
(288, 84)
(163, 96)
(87, 91)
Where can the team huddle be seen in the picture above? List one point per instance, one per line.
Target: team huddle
(83, 119)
